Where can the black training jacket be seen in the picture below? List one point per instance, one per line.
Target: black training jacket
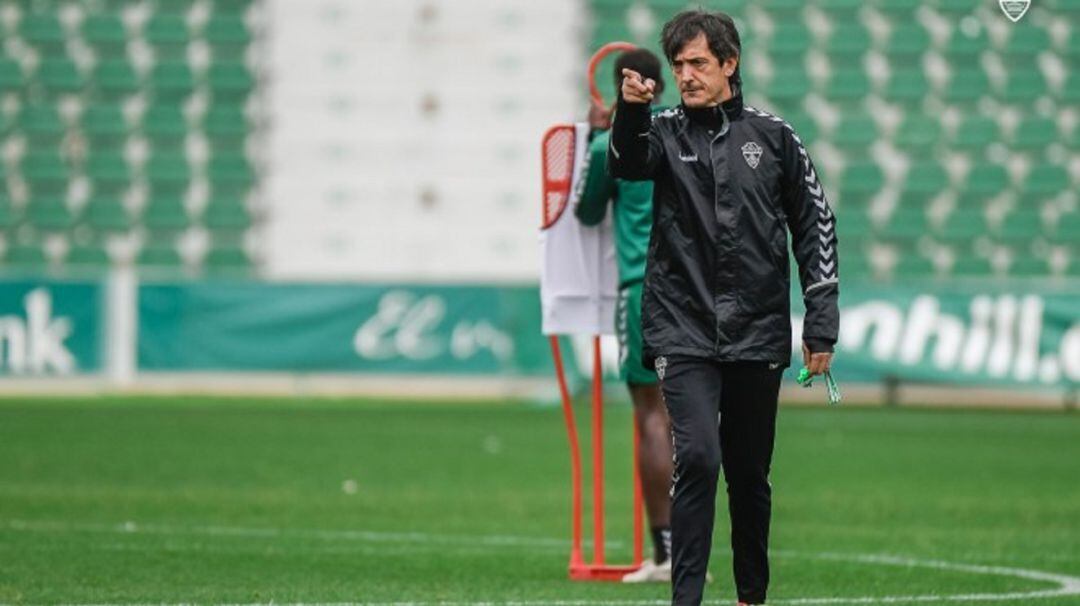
(730, 183)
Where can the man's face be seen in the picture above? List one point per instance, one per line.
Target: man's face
(702, 79)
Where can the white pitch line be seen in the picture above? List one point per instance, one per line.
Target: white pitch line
(1066, 585)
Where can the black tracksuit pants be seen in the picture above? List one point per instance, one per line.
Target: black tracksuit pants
(723, 414)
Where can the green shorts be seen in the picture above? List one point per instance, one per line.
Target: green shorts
(628, 329)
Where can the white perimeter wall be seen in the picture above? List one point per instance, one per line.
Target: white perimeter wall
(404, 135)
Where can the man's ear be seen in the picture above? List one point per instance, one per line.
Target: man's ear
(729, 65)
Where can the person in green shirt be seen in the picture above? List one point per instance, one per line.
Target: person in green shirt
(633, 208)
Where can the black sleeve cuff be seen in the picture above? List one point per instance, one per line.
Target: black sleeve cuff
(819, 345)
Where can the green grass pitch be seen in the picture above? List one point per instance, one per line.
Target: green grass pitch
(159, 500)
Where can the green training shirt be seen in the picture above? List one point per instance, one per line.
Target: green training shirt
(632, 201)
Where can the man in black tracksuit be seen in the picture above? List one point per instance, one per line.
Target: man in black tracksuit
(730, 182)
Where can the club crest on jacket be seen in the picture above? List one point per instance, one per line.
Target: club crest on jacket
(752, 152)
(1014, 9)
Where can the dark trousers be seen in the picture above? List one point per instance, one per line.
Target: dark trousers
(722, 415)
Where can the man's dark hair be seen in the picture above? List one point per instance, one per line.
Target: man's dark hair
(720, 33)
(644, 62)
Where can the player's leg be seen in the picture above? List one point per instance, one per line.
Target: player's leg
(654, 464)
(747, 432)
(654, 433)
(692, 388)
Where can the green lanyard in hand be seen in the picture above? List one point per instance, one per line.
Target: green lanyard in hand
(806, 380)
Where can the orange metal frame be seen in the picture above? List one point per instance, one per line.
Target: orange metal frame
(598, 569)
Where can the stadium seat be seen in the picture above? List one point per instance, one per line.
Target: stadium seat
(975, 133)
(1067, 230)
(168, 34)
(166, 127)
(972, 265)
(107, 214)
(966, 45)
(907, 86)
(26, 257)
(227, 259)
(230, 172)
(983, 182)
(906, 44)
(897, 10)
(41, 123)
(914, 265)
(922, 183)
(226, 126)
(49, 214)
(860, 181)
(956, 9)
(46, 171)
(918, 133)
(9, 216)
(166, 214)
(967, 85)
(1034, 133)
(227, 32)
(789, 43)
(171, 80)
(847, 44)
(11, 75)
(89, 257)
(1044, 181)
(105, 32)
(964, 224)
(42, 29)
(1023, 86)
(804, 126)
(105, 125)
(108, 170)
(783, 9)
(60, 76)
(159, 257)
(839, 9)
(226, 214)
(847, 87)
(230, 80)
(856, 131)
(115, 78)
(1027, 265)
(907, 222)
(1025, 41)
(1070, 90)
(1023, 224)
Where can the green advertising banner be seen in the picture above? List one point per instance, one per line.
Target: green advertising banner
(50, 328)
(938, 333)
(338, 327)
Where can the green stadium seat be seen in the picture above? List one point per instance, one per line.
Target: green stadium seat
(906, 43)
(911, 264)
(230, 172)
(60, 76)
(956, 9)
(907, 86)
(42, 124)
(26, 257)
(226, 213)
(786, 9)
(90, 257)
(170, 80)
(975, 133)
(1070, 90)
(105, 125)
(1071, 50)
(907, 222)
(847, 87)
(108, 170)
(854, 263)
(230, 80)
(1067, 230)
(237, 8)
(972, 266)
(860, 181)
(107, 214)
(853, 224)
(1023, 86)
(227, 31)
(1035, 133)
(46, 172)
(42, 29)
(11, 75)
(966, 46)
(168, 34)
(855, 131)
(49, 214)
(788, 88)
(918, 133)
(804, 126)
(1044, 181)
(226, 127)
(1023, 224)
(105, 31)
(964, 224)
(166, 214)
(966, 86)
(983, 182)
(1025, 41)
(166, 127)
(840, 9)
(168, 171)
(1027, 265)
(227, 259)
(115, 78)
(159, 256)
(790, 42)
(847, 44)
(9, 215)
(897, 10)
(923, 182)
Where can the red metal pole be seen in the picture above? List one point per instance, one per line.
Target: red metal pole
(639, 522)
(598, 455)
(576, 559)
